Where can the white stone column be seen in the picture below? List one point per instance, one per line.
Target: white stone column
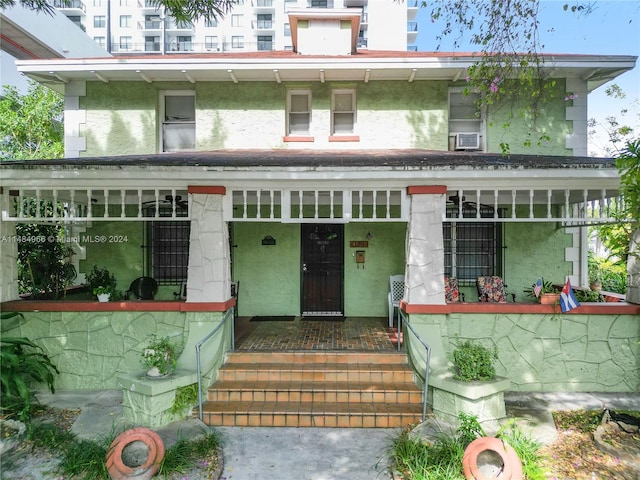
(8, 254)
(209, 275)
(424, 282)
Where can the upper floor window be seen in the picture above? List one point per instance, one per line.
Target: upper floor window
(211, 42)
(125, 21)
(184, 43)
(99, 21)
(319, 3)
(178, 114)
(97, 3)
(237, 41)
(343, 112)
(211, 23)
(100, 41)
(125, 43)
(236, 20)
(265, 42)
(264, 20)
(465, 121)
(298, 112)
(287, 30)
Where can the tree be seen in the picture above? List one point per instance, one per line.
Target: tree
(181, 10)
(31, 124)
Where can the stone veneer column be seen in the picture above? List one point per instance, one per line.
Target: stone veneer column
(424, 277)
(209, 275)
(8, 254)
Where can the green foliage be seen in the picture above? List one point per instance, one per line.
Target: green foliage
(31, 124)
(585, 421)
(547, 287)
(612, 275)
(473, 361)
(526, 448)
(587, 296)
(628, 164)
(162, 354)
(186, 397)
(103, 281)
(22, 362)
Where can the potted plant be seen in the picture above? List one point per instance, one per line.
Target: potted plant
(160, 356)
(103, 281)
(549, 294)
(103, 293)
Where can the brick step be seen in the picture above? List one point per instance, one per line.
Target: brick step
(328, 372)
(309, 414)
(317, 357)
(266, 391)
(314, 389)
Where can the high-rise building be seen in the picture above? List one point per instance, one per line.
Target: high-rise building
(133, 26)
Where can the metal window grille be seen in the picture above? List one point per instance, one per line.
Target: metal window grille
(168, 252)
(472, 249)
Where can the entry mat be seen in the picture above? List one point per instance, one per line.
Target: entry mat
(273, 319)
(324, 318)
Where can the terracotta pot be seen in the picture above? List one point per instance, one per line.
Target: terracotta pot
(549, 298)
(144, 464)
(509, 463)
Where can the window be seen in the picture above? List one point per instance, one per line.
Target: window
(178, 113)
(287, 30)
(184, 43)
(319, 3)
(151, 43)
(102, 41)
(125, 21)
(168, 253)
(124, 3)
(125, 43)
(99, 21)
(211, 23)
(97, 3)
(152, 22)
(236, 20)
(264, 20)
(211, 42)
(237, 41)
(343, 112)
(465, 121)
(298, 112)
(265, 42)
(471, 249)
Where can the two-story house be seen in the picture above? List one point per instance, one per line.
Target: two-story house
(311, 176)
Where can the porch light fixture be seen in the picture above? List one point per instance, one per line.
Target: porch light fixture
(268, 240)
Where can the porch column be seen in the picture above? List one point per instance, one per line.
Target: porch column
(8, 253)
(424, 276)
(209, 275)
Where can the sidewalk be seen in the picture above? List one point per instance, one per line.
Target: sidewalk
(316, 453)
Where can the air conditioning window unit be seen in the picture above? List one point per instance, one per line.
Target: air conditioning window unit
(467, 141)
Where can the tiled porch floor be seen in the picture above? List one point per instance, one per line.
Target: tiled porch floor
(354, 334)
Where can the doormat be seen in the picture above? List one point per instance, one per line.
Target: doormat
(324, 318)
(272, 319)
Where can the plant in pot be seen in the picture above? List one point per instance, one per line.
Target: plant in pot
(473, 361)
(160, 356)
(549, 295)
(103, 293)
(101, 281)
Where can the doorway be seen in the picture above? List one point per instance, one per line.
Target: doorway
(322, 269)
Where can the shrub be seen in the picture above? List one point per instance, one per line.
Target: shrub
(473, 361)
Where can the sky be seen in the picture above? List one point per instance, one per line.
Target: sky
(612, 28)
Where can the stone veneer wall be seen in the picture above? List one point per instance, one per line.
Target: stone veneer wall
(553, 352)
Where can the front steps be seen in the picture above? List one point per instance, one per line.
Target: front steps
(314, 389)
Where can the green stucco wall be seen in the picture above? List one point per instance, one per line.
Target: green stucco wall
(392, 114)
(559, 353)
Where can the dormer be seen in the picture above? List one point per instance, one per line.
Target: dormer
(322, 31)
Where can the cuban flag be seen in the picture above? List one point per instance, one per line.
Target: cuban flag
(537, 287)
(568, 300)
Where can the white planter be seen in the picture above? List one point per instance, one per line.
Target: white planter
(104, 297)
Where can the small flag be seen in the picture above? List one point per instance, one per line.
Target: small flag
(568, 300)
(537, 287)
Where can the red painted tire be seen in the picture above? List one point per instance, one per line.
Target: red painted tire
(512, 468)
(115, 465)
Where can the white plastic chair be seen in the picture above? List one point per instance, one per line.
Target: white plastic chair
(396, 292)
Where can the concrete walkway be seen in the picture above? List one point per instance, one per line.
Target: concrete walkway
(316, 453)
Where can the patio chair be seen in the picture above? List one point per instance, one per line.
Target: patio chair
(492, 289)
(143, 288)
(452, 291)
(396, 292)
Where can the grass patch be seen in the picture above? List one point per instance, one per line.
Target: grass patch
(441, 459)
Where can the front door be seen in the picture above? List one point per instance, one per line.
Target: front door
(322, 269)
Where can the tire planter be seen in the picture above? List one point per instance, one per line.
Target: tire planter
(511, 468)
(135, 454)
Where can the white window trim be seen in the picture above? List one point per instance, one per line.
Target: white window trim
(290, 93)
(482, 119)
(354, 109)
(161, 111)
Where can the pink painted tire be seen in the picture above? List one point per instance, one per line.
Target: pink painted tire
(512, 467)
(116, 466)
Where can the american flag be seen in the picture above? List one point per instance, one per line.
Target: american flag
(537, 287)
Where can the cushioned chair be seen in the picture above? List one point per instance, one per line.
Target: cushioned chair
(396, 292)
(452, 291)
(492, 289)
(143, 288)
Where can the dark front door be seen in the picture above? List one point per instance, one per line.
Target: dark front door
(322, 275)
